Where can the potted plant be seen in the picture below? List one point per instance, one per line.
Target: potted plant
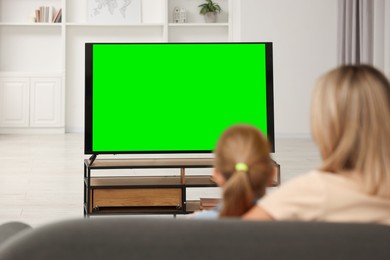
(210, 10)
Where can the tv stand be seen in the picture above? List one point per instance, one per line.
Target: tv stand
(144, 194)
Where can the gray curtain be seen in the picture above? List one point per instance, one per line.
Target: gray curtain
(364, 33)
(356, 26)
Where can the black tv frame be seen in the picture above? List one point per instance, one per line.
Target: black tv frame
(88, 135)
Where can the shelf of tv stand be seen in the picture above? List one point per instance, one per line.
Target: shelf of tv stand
(138, 211)
(150, 163)
(152, 181)
(191, 207)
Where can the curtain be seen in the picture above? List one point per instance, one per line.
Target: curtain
(364, 33)
(355, 31)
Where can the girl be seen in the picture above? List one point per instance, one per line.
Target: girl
(243, 168)
(351, 126)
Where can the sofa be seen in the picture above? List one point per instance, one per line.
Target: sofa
(162, 238)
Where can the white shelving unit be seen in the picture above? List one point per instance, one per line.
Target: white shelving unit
(42, 63)
(31, 69)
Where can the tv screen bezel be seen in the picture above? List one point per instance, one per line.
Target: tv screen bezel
(88, 135)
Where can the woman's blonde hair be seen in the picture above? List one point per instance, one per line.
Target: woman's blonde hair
(242, 145)
(350, 123)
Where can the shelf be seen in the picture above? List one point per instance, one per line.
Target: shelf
(191, 207)
(198, 24)
(150, 163)
(31, 24)
(80, 25)
(199, 181)
(101, 182)
(151, 181)
(137, 210)
(113, 25)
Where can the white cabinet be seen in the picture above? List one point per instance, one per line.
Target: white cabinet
(45, 102)
(14, 102)
(30, 102)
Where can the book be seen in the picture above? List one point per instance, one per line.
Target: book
(43, 14)
(50, 16)
(209, 203)
(37, 16)
(55, 17)
(58, 17)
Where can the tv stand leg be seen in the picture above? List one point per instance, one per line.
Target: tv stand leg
(92, 159)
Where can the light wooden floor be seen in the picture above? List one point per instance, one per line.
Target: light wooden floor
(41, 176)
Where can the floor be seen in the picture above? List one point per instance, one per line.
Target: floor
(41, 176)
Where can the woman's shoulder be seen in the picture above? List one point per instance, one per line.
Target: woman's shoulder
(326, 196)
(314, 184)
(313, 179)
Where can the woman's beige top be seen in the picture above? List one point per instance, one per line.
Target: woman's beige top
(320, 196)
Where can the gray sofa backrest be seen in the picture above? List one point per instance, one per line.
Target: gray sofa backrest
(10, 229)
(130, 238)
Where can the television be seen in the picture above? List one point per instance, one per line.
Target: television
(174, 97)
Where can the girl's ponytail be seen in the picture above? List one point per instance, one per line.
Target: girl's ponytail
(237, 195)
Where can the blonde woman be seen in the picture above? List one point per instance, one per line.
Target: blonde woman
(243, 168)
(351, 125)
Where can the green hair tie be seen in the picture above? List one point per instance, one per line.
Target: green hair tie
(241, 167)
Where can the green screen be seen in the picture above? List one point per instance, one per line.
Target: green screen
(175, 97)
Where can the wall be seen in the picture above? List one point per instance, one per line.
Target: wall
(304, 33)
(382, 35)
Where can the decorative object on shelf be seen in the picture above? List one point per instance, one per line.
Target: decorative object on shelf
(179, 15)
(114, 11)
(210, 10)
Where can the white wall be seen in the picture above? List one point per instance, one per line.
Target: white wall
(382, 35)
(304, 33)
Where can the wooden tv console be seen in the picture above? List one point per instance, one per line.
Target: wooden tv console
(144, 194)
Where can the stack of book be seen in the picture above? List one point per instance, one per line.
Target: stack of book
(209, 203)
(47, 14)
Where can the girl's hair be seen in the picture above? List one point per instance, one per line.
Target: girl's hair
(350, 123)
(242, 144)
